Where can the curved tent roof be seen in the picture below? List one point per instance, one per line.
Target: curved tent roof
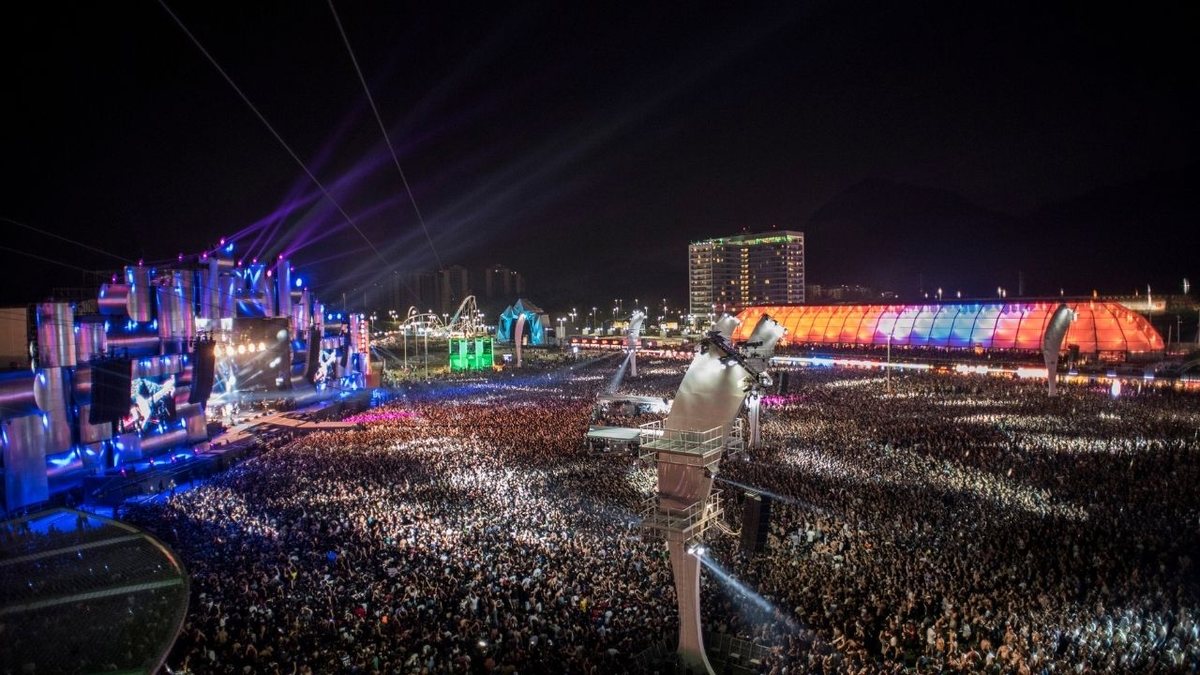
(1098, 327)
(80, 593)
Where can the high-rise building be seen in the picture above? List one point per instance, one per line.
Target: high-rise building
(414, 289)
(727, 274)
(454, 284)
(502, 283)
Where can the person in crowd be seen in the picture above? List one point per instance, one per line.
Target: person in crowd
(956, 524)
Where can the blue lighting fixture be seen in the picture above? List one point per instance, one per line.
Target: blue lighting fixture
(299, 282)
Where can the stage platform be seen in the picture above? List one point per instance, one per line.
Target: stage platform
(615, 434)
(284, 420)
(613, 438)
(139, 481)
(652, 404)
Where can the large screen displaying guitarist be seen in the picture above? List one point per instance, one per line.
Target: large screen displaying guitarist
(152, 404)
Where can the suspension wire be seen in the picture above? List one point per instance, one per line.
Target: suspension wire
(62, 238)
(44, 259)
(383, 130)
(295, 157)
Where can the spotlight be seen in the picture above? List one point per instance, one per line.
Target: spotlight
(262, 346)
(241, 349)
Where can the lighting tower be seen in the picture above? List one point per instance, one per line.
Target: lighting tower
(688, 451)
(632, 336)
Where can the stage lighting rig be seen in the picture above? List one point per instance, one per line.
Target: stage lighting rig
(758, 376)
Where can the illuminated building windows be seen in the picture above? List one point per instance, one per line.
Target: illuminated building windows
(739, 271)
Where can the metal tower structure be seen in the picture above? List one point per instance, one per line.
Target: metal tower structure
(632, 337)
(1052, 341)
(688, 452)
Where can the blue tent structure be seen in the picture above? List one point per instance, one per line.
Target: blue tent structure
(506, 326)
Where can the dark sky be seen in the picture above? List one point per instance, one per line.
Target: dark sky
(587, 147)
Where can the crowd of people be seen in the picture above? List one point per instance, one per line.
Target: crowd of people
(954, 523)
(476, 534)
(126, 598)
(973, 524)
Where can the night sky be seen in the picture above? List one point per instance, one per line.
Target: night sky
(943, 144)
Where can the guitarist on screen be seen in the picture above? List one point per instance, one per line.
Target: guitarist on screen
(153, 403)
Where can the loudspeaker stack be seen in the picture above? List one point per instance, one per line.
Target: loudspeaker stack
(756, 522)
(313, 359)
(111, 380)
(204, 372)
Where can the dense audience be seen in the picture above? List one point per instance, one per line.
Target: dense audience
(476, 534)
(126, 599)
(955, 523)
(973, 524)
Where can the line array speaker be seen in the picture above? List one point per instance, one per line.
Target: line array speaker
(313, 357)
(111, 381)
(756, 522)
(204, 372)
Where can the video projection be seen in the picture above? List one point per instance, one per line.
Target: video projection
(257, 357)
(326, 374)
(151, 404)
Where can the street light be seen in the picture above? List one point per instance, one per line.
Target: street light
(889, 363)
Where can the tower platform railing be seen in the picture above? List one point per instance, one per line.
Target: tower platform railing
(684, 441)
(686, 524)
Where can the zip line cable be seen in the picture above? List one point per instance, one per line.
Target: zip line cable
(43, 259)
(383, 130)
(295, 157)
(62, 238)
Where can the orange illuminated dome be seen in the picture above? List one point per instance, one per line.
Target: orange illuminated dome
(1098, 327)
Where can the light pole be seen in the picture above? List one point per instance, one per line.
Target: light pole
(889, 363)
